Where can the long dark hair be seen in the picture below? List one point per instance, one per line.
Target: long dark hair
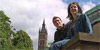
(69, 13)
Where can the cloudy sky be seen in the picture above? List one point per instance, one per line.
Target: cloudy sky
(28, 15)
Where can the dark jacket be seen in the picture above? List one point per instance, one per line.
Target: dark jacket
(60, 34)
(82, 24)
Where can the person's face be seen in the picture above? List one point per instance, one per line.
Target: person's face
(58, 23)
(73, 9)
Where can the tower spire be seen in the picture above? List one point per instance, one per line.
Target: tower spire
(43, 25)
(42, 35)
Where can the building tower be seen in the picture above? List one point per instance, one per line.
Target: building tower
(42, 41)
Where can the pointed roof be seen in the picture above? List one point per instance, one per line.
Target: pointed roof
(43, 25)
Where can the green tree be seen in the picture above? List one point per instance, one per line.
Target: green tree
(22, 41)
(5, 31)
(4, 42)
(5, 24)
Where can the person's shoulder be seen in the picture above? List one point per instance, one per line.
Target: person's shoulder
(82, 16)
(56, 32)
(68, 22)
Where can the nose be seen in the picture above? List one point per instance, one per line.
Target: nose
(57, 22)
(72, 7)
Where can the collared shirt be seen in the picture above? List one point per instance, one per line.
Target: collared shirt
(82, 24)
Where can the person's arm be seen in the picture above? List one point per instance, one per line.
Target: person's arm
(87, 24)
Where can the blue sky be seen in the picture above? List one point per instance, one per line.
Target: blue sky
(96, 2)
(69, 1)
(88, 3)
(28, 15)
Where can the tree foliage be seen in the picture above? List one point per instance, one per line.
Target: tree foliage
(21, 39)
(5, 24)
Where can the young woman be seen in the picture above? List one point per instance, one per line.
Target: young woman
(79, 22)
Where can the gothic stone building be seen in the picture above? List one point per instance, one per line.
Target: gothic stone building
(42, 41)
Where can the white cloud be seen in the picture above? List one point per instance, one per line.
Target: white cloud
(28, 15)
(87, 6)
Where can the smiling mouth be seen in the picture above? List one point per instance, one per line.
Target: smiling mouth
(74, 10)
